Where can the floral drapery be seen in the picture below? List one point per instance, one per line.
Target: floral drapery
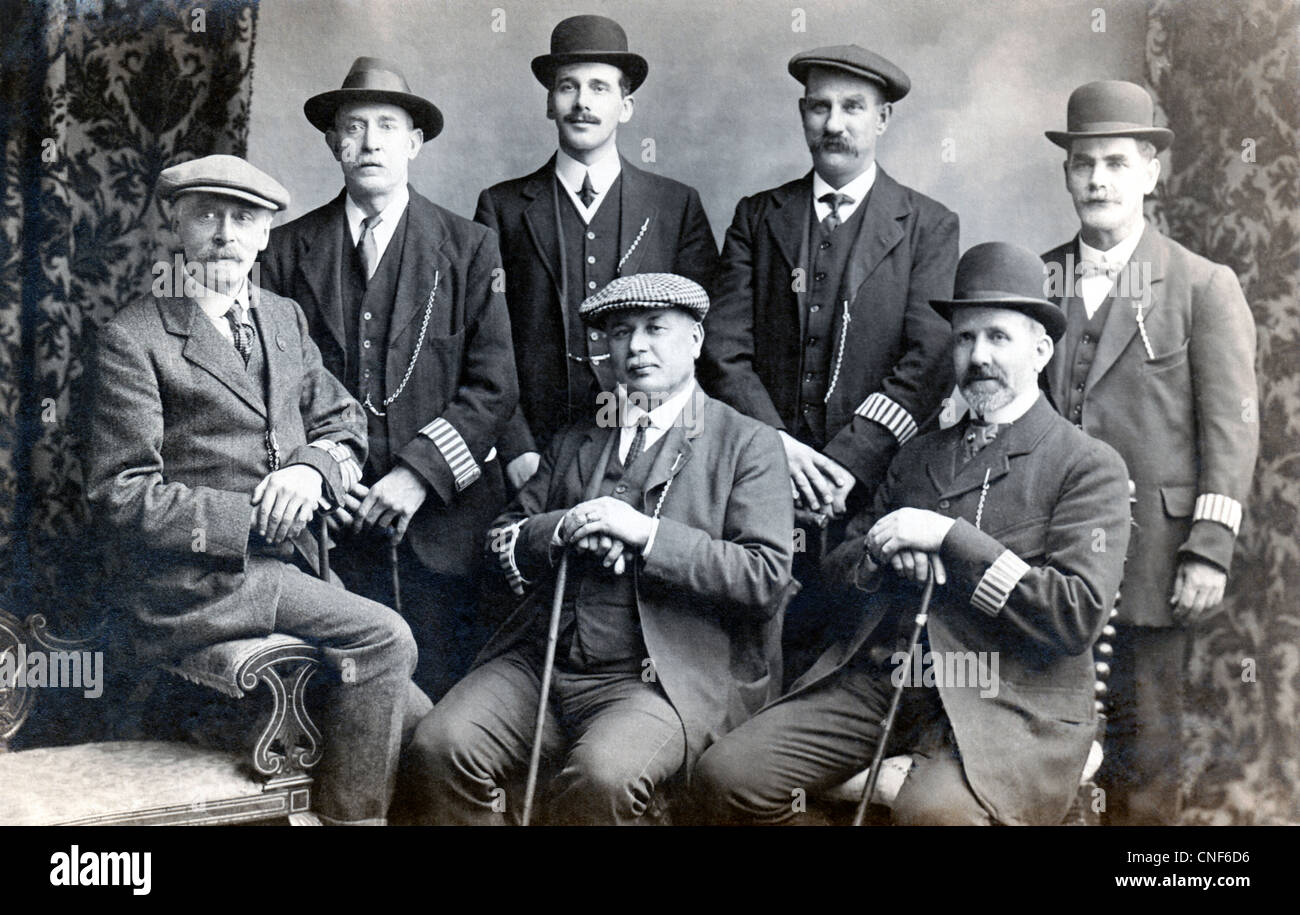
(96, 98)
(1226, 76)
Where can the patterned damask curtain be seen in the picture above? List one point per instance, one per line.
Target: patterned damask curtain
(1227, 78)
(96, 98)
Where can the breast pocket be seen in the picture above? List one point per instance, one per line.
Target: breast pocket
(1167, 361)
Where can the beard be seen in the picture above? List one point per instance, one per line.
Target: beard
(986, 390)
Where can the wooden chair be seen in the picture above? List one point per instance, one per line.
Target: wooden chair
(165, 782)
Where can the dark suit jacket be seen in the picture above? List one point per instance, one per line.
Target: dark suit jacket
(711, 590)
(465, 373)
(1186, 421)
(677, 239)
(1058, 501)
(896, 344)
(177, 448)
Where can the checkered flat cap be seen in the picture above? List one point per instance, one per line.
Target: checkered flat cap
(646, 290)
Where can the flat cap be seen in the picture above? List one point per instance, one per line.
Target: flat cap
(646, 290)
(858, 61)
(229, 176)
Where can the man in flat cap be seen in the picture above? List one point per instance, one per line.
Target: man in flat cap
(821, 325)
(1158, 361)
(400, 296)
(585, 217)
(677, 512)
(1007, 510)
(217, 433)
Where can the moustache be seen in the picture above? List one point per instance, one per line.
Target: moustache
(972, 376)
(835, 144)
(581, 119)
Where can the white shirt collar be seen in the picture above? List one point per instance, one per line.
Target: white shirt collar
(389, 217)
(216, 304)
(858, 189)
(662, 416)
(1118, 255)
(603, 173)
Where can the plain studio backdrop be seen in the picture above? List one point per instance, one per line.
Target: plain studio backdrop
(718, 110)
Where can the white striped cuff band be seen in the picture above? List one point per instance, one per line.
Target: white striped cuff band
(454, 451)
(879, 408)
(995, 587)
(503, 544)
(1212, 506)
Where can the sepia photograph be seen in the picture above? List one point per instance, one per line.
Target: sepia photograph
(697, 414)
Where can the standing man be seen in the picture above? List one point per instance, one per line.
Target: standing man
(399, 296)
(585, 217)
(1158, 361)
(216, 434)
(678, 514)
(1023, 521)
(822, 326)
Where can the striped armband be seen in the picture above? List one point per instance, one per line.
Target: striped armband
(995, 587)
(454, 451)
(880, 409)
(503, 544)
(1212, 506)
(349, 469)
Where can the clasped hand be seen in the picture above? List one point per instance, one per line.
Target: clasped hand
(284, 501)
(606, 528)
(908, 539)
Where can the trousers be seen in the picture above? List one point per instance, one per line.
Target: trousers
(774, 768)
(369, 706)
(611, 739)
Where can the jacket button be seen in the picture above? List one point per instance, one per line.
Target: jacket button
(591, 258)
(595, 335)
(814, 308)
(818, 277)
(591, 236)
(620, 488)
(591, 284)
(367, 316)
(366, 344)
(944, 504)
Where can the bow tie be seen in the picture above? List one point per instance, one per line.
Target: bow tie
(1087, 269)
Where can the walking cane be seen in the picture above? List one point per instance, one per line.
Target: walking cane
(887, 725)
(392, 566)
(548, 668)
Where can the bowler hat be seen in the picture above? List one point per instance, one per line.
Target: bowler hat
(228, 176)
(374, 80)
(999, 275)
(590, 39)
(1110, 108)
(646, 290)
(858, 61)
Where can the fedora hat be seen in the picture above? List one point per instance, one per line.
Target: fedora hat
(374, 80)
(590, 39)
(1111, 108)
(852, 59)
(999, 275)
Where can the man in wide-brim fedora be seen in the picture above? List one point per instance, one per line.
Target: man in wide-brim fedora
(585, 217)
(1006, 508)
(401, 296)
(1158, 361)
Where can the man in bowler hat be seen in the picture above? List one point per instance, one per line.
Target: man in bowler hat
(1159, 362)
(401, 296)
(677, 514)
(585, 217)
(1006, 510)
(216, 435)
(821, 325)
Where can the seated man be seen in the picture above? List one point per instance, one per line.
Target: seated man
(216, 435)
(677, 511)
(1023, 520)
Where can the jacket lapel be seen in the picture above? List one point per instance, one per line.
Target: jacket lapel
(1132, 288)
(207, 349)
(887, 206)
(321, 263)
(637, 213)
(422, 259)
(539, 217)
(787, 222)
(678, 444)
(272, 335)
(995, 458)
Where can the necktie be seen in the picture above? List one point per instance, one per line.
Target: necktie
(834, 200)
(638, 442)
(586, 193)
(977, 436)
(1088, 269)
(241, 331)
(367, 250)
